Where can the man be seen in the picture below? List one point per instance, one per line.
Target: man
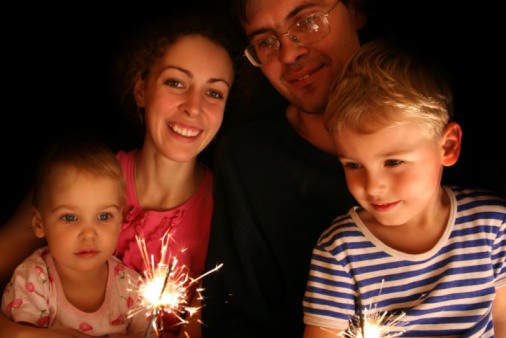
(278, 184)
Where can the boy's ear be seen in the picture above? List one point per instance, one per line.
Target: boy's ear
(450, 144)
(139, 90)
(37, 227)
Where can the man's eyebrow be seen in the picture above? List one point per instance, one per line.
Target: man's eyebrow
(294, 12)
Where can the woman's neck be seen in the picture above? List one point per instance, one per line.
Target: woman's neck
(161, 184)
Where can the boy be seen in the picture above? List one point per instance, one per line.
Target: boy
(428, 257)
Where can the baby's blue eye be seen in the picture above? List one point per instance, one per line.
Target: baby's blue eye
(104, 217)
(69, 218)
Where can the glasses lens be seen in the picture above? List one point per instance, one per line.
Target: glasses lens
(310, 29)
(263, 51)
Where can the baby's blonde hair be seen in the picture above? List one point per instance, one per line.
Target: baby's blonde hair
(85, 155)
(384, 84)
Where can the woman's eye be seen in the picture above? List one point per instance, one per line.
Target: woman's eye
(174, 83)
(69, 218)
(214, 94)
(104, 217)
(392, 163)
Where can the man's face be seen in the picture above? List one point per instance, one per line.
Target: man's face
(303, 75)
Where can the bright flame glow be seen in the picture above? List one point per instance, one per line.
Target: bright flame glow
(375, 324)
(165, 287)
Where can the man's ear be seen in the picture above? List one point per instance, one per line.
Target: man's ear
(139, 90)
(358, 13)
(450, 144)
(37, 227)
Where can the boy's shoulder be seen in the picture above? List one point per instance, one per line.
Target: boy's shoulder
(340, 226)
(472, 197)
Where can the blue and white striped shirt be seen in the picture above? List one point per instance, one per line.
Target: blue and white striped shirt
(445, 292)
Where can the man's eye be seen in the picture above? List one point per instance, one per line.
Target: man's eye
(306, 21)
(308, 24)
(69, 218)
(266, 43)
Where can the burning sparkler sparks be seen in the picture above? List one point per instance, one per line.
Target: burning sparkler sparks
(165, 287)
(372, 323)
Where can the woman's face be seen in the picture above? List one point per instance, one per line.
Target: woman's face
(184, 97)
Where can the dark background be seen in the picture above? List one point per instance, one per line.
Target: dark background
(56, 79)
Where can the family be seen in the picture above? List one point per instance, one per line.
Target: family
(333, 208)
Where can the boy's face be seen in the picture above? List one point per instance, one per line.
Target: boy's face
(80, 215)
(394, 173)
(303, 75)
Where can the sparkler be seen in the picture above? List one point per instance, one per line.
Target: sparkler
(374, 324)
(165, 287)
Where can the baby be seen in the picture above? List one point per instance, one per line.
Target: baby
(75, 282)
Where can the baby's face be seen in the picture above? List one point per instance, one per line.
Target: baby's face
(80, 217)
(394, 172)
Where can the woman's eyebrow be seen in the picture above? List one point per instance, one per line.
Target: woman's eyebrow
(190, 74)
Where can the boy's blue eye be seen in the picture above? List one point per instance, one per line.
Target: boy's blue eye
(392, 163)
(352, 165)
(69, 218)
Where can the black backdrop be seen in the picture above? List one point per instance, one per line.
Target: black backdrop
(56, 80)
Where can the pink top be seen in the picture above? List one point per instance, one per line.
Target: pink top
(35, 295)
(188, 226)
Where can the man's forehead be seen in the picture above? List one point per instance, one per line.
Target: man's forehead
(264, 15)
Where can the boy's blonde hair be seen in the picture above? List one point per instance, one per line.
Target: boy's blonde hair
(85, 155)
(384, 84)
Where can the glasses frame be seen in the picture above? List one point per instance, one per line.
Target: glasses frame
(292, 37)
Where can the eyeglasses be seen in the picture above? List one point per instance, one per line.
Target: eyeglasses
(304, 32)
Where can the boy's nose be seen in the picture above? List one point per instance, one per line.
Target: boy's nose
(375, 183)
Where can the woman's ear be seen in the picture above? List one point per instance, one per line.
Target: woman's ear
(139, 90)
(451, 143)
(37, 227)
